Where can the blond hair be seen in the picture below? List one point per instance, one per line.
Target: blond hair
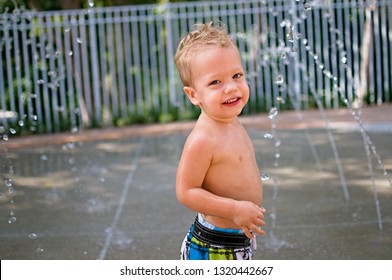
(201, 35)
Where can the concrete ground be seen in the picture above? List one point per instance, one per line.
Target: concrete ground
(109, 194)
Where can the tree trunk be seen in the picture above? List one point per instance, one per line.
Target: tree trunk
(364, 70)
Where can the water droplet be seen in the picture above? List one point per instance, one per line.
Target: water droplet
(71, 161)
(268, 136)
(32, 235)
(265, 177)
(70, 53)
(273, 113)
(279, 79)
(8, 183)
(90, 3)
(281, 99)
(21, 123)
(44, 157)
(40, 82)
(12, 220)
(39, 250)
(290, 35)
(307, 6)
(344, 59)
(79, 40)
(12, 130)
(285, 22)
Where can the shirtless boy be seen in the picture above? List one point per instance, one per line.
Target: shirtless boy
(217, 176)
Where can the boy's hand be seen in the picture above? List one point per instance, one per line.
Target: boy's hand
(250, 217)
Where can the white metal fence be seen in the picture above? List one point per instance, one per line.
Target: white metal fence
(112, 66)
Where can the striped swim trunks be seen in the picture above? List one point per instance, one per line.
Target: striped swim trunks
(204, 241)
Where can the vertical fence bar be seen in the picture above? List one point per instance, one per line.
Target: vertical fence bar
(52, 74)
(285, 28)
(295, 71)
(269, 58)
(136, 61)
(94, 66)
(255, 55)
(390, 47)
(384, 40)
(61, 75)
(340, 47)
(44, 75)
(369, 17)
(348, 50)
(144, 47)
(128, 62)
(70, 90)
(113, 93)
(250, 36)
(26, 65)
(356, 43)
(377, 51)
(82, 42)
(8, 61)
(37, 91)
(171, 42)
(80, 110)
(304, 44)
(119, 61)
(107, 114)
(155, 92)
(3, 105)
(261, 56)
(327, 52)
(334, 57)
(18, 75)
(163, 77)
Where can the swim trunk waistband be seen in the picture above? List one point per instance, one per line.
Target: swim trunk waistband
(233, 240)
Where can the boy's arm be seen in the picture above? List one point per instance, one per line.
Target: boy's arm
(195, 161)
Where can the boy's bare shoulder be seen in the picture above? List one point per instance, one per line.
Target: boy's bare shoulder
(201, 136)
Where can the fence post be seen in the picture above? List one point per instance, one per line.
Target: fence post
(170, 53)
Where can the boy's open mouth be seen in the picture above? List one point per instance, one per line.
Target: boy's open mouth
(231, 101)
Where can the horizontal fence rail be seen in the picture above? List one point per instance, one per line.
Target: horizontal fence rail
(65, 70)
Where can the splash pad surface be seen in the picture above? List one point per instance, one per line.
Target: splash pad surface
(109, 194)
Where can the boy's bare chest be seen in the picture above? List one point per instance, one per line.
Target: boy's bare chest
(234, 150)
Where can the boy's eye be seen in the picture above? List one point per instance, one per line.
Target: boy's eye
(237, 76)
(215, 82)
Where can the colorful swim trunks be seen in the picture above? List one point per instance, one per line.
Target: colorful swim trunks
(204, 241)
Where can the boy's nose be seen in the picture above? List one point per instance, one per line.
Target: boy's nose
(230, 87)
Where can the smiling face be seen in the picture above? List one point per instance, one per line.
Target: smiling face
(219, 86)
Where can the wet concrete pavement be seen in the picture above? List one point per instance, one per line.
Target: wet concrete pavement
(109, 194)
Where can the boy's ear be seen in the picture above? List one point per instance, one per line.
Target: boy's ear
(191, 93)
